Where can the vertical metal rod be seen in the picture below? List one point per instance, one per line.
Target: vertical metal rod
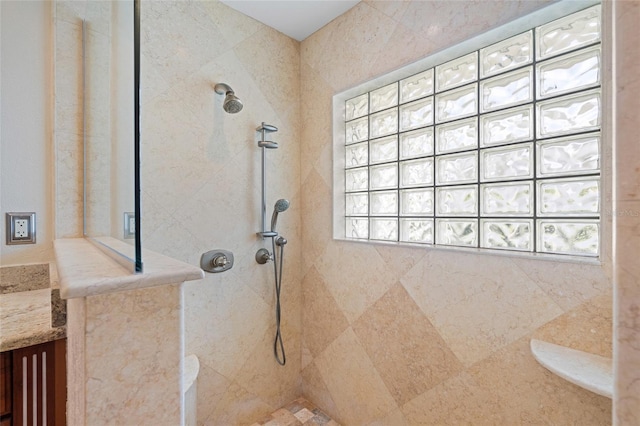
(136, 137)
(84, 128)
(264, 187)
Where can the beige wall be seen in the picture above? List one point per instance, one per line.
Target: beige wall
(201, 191)
(416, 336)
(26, 108)
(627, 208)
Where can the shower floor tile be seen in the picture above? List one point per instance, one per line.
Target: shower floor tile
(297, 413)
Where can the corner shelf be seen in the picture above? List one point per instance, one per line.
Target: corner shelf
(589, 371)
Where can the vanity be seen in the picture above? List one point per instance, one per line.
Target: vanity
(32, 346)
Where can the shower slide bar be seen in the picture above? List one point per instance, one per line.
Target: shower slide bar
(265, 144)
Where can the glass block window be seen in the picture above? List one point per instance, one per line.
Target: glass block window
(496, 149)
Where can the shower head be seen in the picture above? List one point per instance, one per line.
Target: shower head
(281, 205)
(231, 103)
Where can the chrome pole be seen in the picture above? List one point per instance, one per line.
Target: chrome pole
(264, 188)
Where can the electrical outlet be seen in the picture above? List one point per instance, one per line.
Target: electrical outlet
(21, 228)
(129, 225)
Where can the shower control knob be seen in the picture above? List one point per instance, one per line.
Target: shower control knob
(219, 261)
(216, 261)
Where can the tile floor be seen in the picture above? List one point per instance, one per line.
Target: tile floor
(296, 413)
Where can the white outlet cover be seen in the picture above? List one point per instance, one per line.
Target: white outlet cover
(21, 228)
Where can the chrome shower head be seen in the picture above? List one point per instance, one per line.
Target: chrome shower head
(281, 205)
(231, 103)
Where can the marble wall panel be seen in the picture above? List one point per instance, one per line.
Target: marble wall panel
(201, 190)
(627, 216)
(132, 375)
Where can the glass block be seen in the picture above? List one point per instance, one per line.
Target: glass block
(384, 203)
(417, 86)
(457, 103)
(357, 228)
(384, 177)
(457, 72)
(416, 172)
(457, 201)
(457, 168)
(385, 149)
(505, 163)
(507, 54)
(384, 123)
(568, 33)
(457, 136)
(357, 107)
(513, 125)
(507, 199)
(356, 130)
(356, 155)
(357, 204)
(418, 143)
(384, 97)
(569, 114)
(573, 197)
(507, 234)
(569, 73)
(580, 237)
(356, 180)
(568, 156)
(416, 231)
(416, 114)
(384, 229)
(416, 202)
(506, 90)
(456, 232)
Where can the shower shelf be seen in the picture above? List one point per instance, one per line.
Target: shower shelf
(589, 371)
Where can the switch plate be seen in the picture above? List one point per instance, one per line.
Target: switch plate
(21, 228)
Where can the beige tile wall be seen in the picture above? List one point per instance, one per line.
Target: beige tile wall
(201, 191)
(414, 336)
(627, 215)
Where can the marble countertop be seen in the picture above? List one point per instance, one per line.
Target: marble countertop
(25, 319)
(85, 270)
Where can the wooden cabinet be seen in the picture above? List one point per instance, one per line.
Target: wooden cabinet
(5, 388)
(34, 385)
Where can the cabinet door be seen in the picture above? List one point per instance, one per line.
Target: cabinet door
(36, 384)
(5, 387)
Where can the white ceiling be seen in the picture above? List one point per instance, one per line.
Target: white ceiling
(296, 18)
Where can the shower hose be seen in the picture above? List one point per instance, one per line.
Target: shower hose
(278, 345)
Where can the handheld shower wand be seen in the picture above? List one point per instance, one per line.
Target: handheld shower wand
(280, 206)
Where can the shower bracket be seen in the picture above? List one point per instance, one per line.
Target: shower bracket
(263, 256)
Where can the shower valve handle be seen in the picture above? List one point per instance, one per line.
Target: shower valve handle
(216, 260)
